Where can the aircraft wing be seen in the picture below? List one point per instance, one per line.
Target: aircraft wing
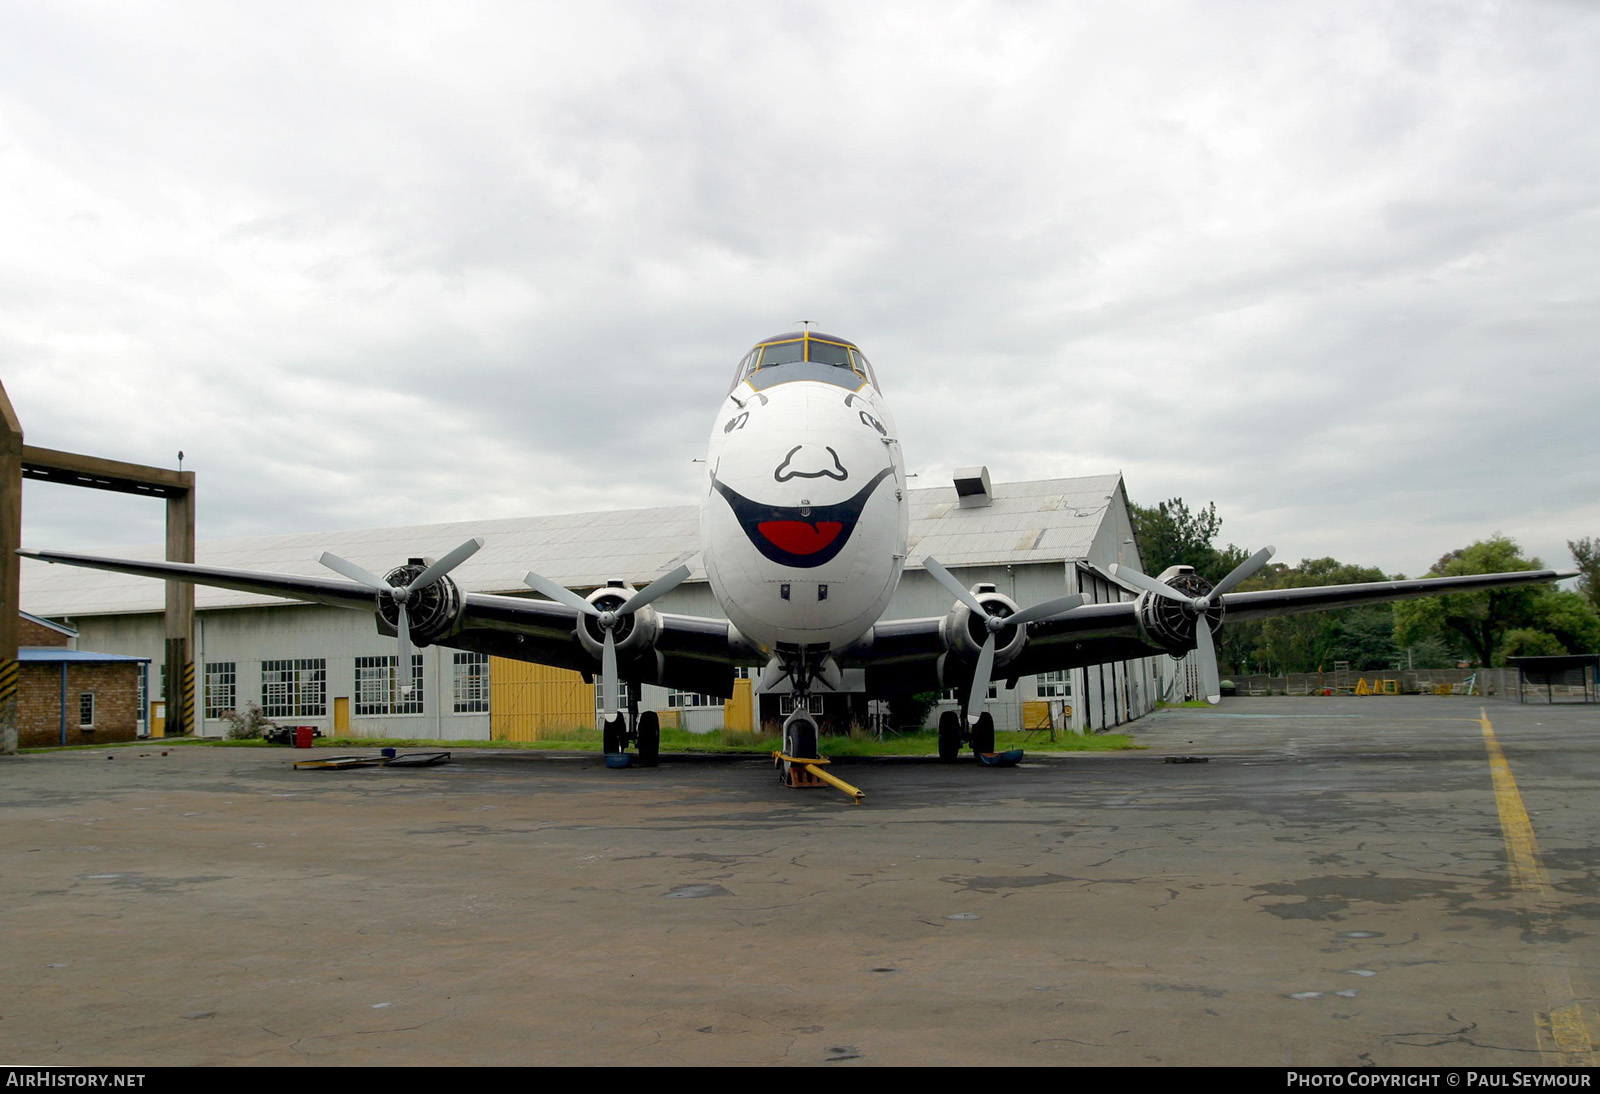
(1263, 603)
(914, 653)
(692, 653)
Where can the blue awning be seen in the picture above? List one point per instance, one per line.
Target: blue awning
(56, 653)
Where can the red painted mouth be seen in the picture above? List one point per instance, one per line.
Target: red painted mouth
(799, 537)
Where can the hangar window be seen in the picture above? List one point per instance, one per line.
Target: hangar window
(378, 686)
(86, 710)
(220, 688)
(1055, 685)
(949, 694)
(681, 699)
(471, 683)
(295, 688)
(786, 704)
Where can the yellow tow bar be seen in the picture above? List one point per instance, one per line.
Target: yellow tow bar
(807, 773)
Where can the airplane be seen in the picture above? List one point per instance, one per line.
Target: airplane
(803, 535)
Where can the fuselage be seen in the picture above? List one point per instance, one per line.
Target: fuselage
(803, 523)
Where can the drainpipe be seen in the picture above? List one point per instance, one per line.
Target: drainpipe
(63, 702)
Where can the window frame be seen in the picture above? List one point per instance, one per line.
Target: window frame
(470, 689)
(306, 681)
(377, 675)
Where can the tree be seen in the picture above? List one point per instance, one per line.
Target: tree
(1306, 642)
(1586, 553)
(1479, 622)
(1170, 535)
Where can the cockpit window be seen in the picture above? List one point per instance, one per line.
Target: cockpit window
(820, 353)
(783, 353)
(829, 353)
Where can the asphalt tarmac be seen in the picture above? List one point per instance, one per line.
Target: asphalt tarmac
(1335, 886)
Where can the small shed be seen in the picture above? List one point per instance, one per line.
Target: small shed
(67, 696)
(1575, 674)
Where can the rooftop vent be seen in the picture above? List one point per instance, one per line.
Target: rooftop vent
(972, 487)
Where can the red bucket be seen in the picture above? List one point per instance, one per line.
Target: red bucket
(303, 735)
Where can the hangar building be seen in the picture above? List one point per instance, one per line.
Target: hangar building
(329, 667)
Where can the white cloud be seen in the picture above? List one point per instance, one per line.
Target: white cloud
(1329, 266)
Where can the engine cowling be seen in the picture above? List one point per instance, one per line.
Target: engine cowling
(1170, 624)
(634, 634)
(433, 612)
(964, 632)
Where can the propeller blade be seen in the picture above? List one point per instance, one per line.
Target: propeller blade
(1047, 610)
(958, 590)
(608, 676)
(403, 633)
(1148, 583)
(1208, 661)
(559, 593)
(353, 572)
(658, 588)
(447, 563)
(980, 680)
(1242, 571)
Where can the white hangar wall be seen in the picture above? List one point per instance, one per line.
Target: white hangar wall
(1037, 541)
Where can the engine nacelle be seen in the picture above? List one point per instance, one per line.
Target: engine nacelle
(433, 612)
(1169, 624)
(964, 632)
(634, 634)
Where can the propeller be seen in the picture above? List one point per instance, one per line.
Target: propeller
(1200, 605)
(607, 620)
(994, 623)
(402, 594)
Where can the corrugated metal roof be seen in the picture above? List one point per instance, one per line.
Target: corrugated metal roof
(1058, 518)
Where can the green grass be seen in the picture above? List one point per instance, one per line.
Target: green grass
(677, 740)
(1187, 704)
(672, 740)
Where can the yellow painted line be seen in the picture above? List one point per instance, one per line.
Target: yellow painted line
(1565, 1033)
(1522, 850)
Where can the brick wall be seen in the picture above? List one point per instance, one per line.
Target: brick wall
(30, 633)
(116, 696)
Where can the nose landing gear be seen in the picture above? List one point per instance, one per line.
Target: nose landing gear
(800, 766)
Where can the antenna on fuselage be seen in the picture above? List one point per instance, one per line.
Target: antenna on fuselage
(805, 322)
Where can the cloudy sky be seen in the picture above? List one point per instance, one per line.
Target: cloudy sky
(1332, 266)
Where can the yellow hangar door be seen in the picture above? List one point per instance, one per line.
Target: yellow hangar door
(529, 702)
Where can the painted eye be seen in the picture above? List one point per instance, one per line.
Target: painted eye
(868, 419)
(736, 422)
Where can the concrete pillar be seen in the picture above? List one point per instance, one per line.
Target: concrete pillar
(179, 693)
(10, 568)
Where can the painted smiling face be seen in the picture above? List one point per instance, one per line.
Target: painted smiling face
(797, 468)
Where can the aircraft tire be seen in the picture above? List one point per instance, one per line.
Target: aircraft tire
(983, 734)
(611, 735)
(800, 737)
(949, 736)
(649, 739)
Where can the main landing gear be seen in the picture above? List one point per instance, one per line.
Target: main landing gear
(643, 731)
(952, 734)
